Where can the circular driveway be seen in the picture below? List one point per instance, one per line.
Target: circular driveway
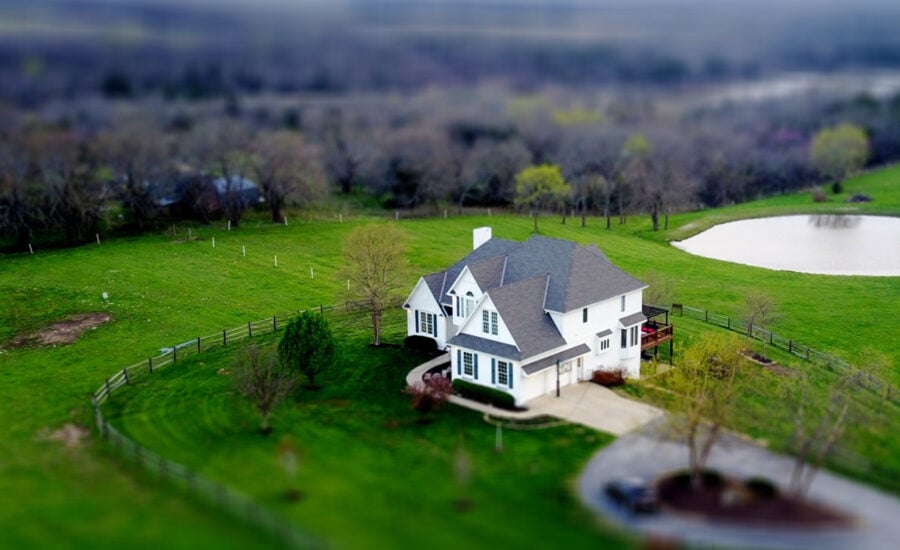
(647, 454)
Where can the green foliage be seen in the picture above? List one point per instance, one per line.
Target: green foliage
(541, 187)
(484, 394)
(838, 152)
(376, 268)
(307, 345)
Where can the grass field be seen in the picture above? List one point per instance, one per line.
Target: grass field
(163, 291)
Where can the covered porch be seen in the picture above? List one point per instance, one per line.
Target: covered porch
(656, 330)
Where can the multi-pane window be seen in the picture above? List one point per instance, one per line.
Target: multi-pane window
(468, 364)
(503, 373)
(468, 305)
(634, 335)
(485, 321)
(604, 344)
(426, 322)
(624, 338)
(494, 323)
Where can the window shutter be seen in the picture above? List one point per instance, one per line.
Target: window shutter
(458, 363)
(417, 320)
(476, 365)
(434, 326)
(509, 374)
(493, 371)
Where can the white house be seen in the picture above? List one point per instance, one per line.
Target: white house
(509, 311)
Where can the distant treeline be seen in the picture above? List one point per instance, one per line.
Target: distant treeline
(195, 51)
(68, 174)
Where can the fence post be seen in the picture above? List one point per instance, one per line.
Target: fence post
(706, 315)
(125, 373)
(108, 390)
(198, 345)
(807, 353)
(790, 346)
(150, 364)
(274, 323)
(224, 338)
(729, 322)
(321, 310)
(249, 330)
(174, 354)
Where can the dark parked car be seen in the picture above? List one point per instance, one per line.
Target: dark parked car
(632, 493)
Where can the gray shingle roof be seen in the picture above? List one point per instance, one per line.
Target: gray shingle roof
(484, 345)
(521, 306)
(491, 249)
(488, 272)
(593, 278)
(632, 319)
(602, 333)
(547, 362)
(435, 282)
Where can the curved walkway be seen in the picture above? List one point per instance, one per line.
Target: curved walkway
(584, 403)
(647, 453)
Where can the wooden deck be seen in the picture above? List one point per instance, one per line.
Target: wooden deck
(661, 333)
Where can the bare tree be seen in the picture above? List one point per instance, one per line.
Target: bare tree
(223, 150)
(137, 153)
(819, 420)
(708, 383)
(21, 194)
(262, 379)
(759, 310)
(75, 193)
(286, 169)
(489, 172)
(376, 268)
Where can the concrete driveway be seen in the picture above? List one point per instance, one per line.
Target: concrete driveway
(597, 407)
(647, 453)
(583, 403)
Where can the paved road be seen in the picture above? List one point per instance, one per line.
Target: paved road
(644, 453)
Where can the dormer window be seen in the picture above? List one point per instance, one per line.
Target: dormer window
(489, 322)
(468, 305)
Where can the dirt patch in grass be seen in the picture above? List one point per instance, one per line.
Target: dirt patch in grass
(63, 332)
(769, 364)
(70, 435)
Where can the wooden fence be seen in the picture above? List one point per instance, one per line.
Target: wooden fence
(220, 495)
(798, 349)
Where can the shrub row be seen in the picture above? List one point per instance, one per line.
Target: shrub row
(484, 394)
(608, 378)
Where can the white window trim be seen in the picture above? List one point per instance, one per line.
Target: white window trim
(495, 323)
(507, 371)
(470, 366)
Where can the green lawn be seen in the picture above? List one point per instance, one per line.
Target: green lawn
(163, 292)
(372, 476)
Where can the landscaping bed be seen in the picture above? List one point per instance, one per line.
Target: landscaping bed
(754, 501)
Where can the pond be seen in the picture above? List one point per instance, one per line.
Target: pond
(824, 244)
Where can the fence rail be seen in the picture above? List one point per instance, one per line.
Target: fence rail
(798, 349)
(220, 495)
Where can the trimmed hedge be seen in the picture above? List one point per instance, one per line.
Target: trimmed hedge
(484, 394)
(608, 378)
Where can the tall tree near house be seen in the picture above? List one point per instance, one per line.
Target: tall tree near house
(286, 169)
(838, 152)
(376, 268)
(540, 187)
(263, 380)
(307, 345)
(708, 382)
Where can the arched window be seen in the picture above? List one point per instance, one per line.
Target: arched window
(468, 304)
